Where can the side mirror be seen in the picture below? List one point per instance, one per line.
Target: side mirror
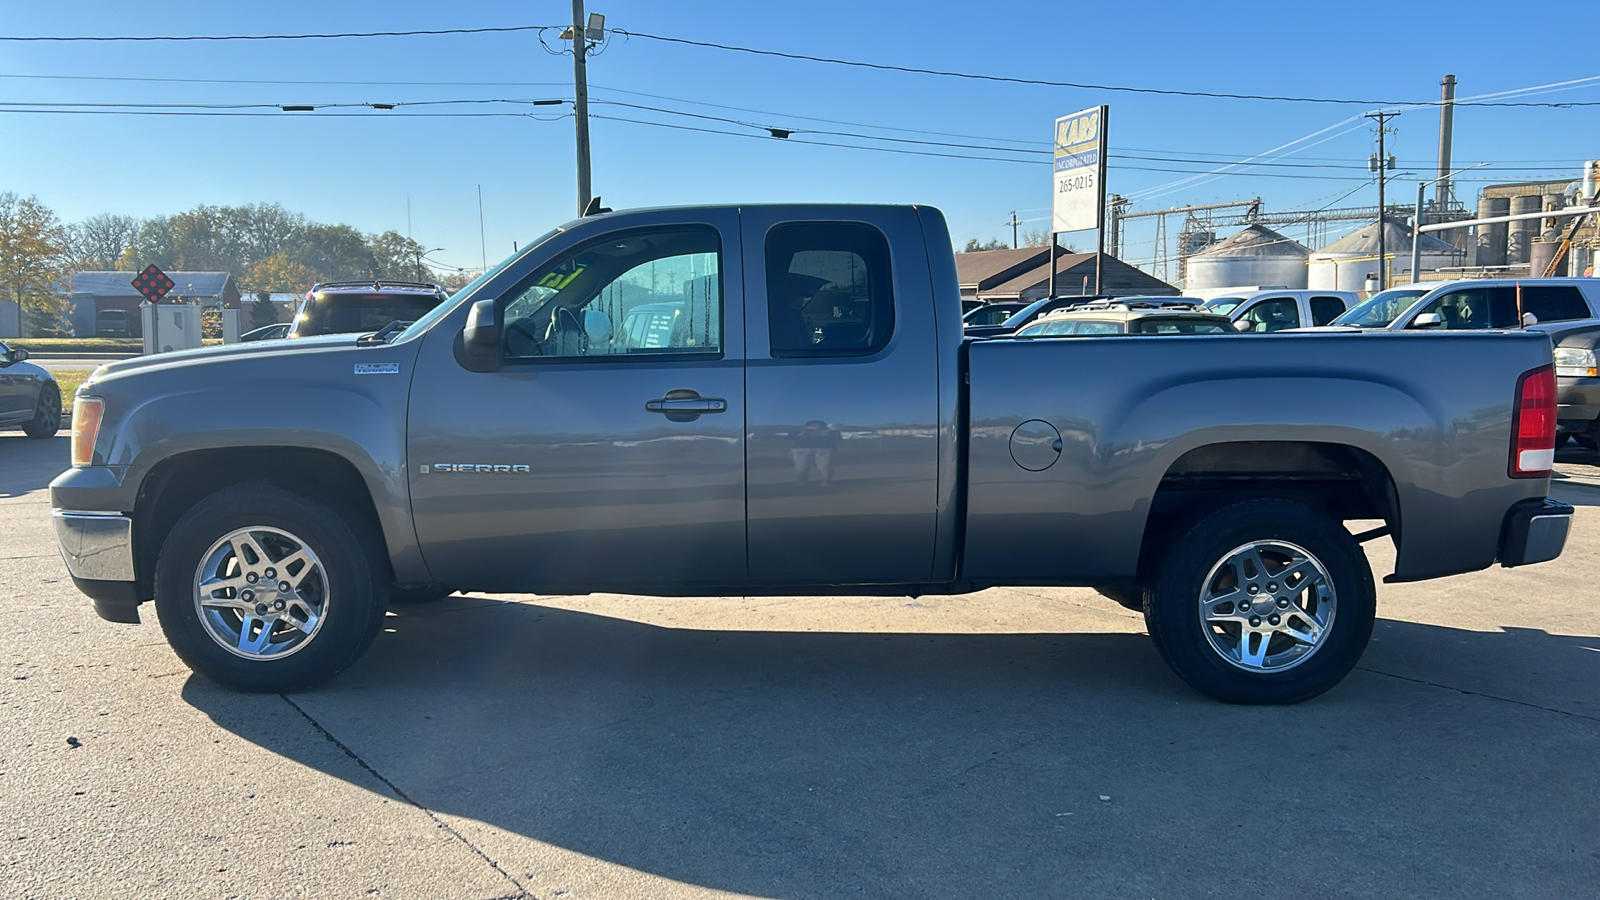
(20, 354)
(482, 335)
(1529, 319)
(1427, 320)
(1243, 326)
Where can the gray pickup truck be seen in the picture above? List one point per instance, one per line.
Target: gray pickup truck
(777, 400)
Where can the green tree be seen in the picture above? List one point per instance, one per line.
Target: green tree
(994, 244)
(262, 312)
(32, 260)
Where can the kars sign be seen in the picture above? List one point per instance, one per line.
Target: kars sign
(1080, 146)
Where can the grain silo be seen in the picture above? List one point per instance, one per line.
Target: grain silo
(1344, 264)
(1255, 257)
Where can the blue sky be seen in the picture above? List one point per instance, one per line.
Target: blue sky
(364, 170)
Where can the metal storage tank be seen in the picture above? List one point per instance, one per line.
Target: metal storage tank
(1344, 264)
(1519, 240)
(1539, 256)
(1256, 256)
(1492, 238)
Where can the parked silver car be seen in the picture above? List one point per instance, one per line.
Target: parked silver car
(30, 399)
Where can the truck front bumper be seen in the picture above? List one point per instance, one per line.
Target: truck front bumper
(1535, 531)
(98, 550)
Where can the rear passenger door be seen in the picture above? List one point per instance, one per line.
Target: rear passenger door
(1325, 309)
(842, 398)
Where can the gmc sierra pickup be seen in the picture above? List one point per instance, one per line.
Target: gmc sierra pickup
(777, 400)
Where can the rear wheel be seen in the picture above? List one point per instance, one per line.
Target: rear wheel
(261, 589)
(46, 419)
(1265, 601)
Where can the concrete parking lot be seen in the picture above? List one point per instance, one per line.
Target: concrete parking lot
(1012, 743)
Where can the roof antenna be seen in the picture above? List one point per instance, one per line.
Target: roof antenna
(594, 208)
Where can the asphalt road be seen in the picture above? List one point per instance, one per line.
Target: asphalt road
(1013, 743)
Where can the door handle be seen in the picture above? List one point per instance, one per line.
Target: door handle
(686, 403)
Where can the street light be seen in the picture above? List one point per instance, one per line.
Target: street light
(1416, 220)
(420, 254)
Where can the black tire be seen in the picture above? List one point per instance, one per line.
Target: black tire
(46, 419)
(350, 556)
(417, 595)
(1173, 615)
(1590, 441)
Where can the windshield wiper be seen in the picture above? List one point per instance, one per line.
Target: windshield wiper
(385, 334)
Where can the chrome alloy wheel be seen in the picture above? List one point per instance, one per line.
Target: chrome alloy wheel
(1267, 606)
(261, 593)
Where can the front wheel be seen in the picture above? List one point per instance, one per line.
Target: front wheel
(261, 589)
(46, 419)
(1265, 601)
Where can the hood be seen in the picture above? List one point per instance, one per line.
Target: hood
(252, 349)
(200, 356)
(1581, 333)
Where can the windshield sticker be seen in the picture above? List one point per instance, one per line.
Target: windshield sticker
(377, 368)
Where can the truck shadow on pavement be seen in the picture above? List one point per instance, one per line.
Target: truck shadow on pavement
(28, 465)
(790, 764)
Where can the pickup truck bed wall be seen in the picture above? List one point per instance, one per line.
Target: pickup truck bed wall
(1128, 409)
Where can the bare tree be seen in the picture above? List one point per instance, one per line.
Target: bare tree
(100, 242)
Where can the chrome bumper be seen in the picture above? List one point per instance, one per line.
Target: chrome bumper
(96, 546)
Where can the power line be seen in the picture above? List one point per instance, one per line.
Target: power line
(1011, 79)
(269, 37)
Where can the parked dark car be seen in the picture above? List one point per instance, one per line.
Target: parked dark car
(1028, 314)
(1577, 380)
(267, 332)
(359, 307)
(992, 313)
(30, 399)
(117, 323)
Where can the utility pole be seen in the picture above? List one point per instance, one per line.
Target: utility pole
(1014, 224)
(1381, 164)
(580, 102)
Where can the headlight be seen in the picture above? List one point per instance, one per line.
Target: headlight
(1575, 363)
(86, 412)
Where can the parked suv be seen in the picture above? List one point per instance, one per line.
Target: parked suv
(1130, 316)
(359, 307)
(1485, 303)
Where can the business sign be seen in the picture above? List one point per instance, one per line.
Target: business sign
(1079, 168)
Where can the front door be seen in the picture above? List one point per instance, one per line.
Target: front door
(605, 449)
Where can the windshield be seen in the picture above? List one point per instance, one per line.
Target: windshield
(438, 312)
(1224, 305)
(1380, 309)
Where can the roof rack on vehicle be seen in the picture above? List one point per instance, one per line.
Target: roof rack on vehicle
(376, 285)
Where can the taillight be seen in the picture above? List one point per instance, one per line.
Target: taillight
(86, 413)
(1533, 424)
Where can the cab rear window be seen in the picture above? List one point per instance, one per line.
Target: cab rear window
(340, 313)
